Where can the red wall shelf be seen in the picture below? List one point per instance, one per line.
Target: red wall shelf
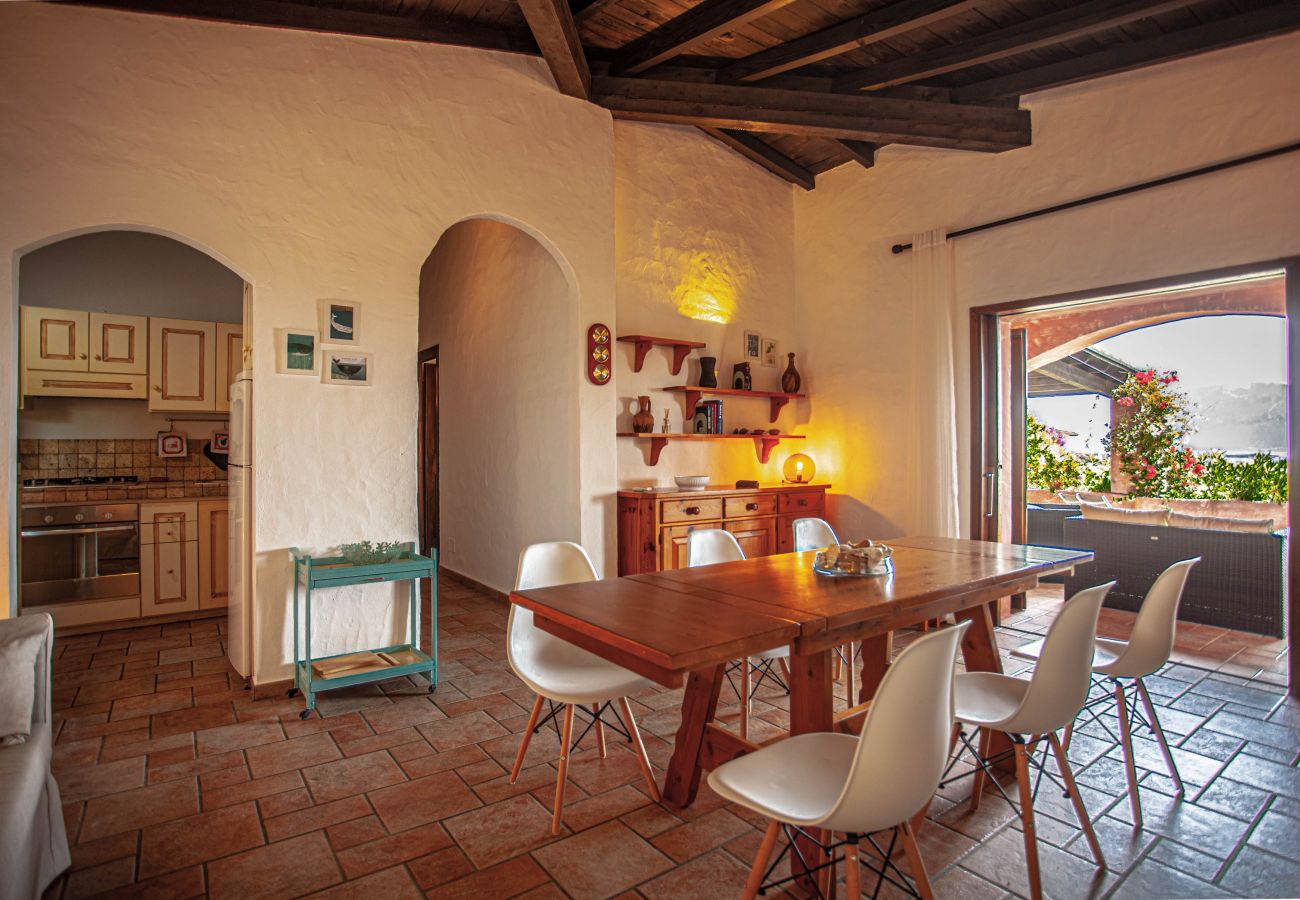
(776, 399)
(681, 349)
(763, 443)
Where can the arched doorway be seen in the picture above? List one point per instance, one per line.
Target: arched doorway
(500, 466)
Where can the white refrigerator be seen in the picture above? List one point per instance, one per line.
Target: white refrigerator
(240, 614)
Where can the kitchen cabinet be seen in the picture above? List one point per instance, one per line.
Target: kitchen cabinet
(169, 557)
(73, 353)
(214, 554)
(655, 526)
(182, 365)
(230, 360)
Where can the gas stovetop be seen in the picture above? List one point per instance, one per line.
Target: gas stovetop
(81, 479)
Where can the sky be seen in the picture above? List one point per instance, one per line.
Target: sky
(1228, 351)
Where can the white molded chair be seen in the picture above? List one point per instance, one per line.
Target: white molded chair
(812, 533)
(563, 673)
(710, 546)
(1049, 701)
(1144, 653)
(858, 786)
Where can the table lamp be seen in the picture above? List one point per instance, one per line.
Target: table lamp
(799, 469)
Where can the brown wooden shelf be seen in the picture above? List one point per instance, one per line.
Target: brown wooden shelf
(681, 349)
(763, 443)
(776, 399)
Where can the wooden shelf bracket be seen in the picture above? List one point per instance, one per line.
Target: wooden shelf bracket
(642, 342)
(764, 444)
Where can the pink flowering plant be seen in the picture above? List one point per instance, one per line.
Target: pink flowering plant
(1150, 434)
(1051, 467)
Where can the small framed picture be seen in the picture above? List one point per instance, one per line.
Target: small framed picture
(769, 352)
(221, 442)
(753, 343)
(297, 352)
(347, 367)
(172, 445)
(339, 322)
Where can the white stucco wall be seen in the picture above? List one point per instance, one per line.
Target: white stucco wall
(315, 166)
(855, 295)
(502, 313)
(691, 215)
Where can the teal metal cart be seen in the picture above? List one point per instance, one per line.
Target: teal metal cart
(312, 573)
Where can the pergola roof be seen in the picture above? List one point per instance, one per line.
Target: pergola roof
(1086, 372)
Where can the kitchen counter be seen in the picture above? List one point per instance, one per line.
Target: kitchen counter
(144, 490)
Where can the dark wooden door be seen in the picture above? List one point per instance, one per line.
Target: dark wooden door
(428, 496)
(1019, 400)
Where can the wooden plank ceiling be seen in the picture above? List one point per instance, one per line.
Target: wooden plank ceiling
(800, 86)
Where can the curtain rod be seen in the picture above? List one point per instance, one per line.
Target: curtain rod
(1120, 192)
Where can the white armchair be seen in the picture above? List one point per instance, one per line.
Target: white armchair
(33, 841)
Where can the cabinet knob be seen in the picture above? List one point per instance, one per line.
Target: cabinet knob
(171, 571)
(82, 355)
(752, 507)
(692, 510)
(157, 389)
(98, 358)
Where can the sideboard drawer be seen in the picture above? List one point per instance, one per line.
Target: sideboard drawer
(692, 510)
(802, 502)
(750, 506)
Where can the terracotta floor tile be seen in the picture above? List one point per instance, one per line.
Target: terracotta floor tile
(716, 874)
(196, 719)
(427, 764)
(96, 692)
(296, 753)
(92, 853)
(358, 831)
(390, 884)
(408, 804)
(507, 879)
(178, 885)
(694, 838)
(625, 860)
(76, 754)
(297, 727)
(197, 839)
(254, 789)
(83, 782)
(138, 808)
(150, 704)
(368, 742)
(440, 867)
(237, 737)
(288, 868)
(495, 833)
(375, 855)
(279, 804)
(206, 650)
(99, 878)
(312, 818)
(191, 767)
(404, 713)
(353, 775)
(602, 807)
(447, 734)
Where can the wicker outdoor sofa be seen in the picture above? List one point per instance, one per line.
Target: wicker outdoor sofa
(1240, 582)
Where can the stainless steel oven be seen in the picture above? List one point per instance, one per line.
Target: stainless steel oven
(72, 553)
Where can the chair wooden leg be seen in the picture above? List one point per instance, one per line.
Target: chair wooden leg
(913, 851)
(746, 688)
(1160, 735)
(600, 731)
(1069, 736)
(1130, 769)
(785, 668)
(528, 738)
(836, 663)
(852, 869)
(560, 779)
(641, 756)
(761, 860)
(977, 782)
(1027, 821)
(848, 676)
(1067, 775)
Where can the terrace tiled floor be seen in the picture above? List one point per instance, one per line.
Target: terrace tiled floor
(177, 784)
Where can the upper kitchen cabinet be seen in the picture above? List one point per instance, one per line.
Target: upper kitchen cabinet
(182, 365)
(230, 361)
(72, 353)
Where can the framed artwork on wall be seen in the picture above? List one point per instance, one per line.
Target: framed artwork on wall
(350, 367)
(753, 343)
(297, 352)
(339, 322)
(771, 358)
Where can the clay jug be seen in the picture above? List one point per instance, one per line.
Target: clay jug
(791, 380)
(643, 420)
(708, 372)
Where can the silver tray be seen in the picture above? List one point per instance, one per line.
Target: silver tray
(885, 568)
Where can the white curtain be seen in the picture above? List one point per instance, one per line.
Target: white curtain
(933, 473)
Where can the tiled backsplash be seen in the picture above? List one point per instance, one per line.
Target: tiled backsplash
(84, 457)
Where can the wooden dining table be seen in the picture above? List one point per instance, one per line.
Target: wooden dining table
(686, 626)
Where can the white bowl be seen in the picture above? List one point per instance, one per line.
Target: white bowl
(691, 482)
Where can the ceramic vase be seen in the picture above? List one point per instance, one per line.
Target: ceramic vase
(791, 380)
(708, 372)
(643, 421)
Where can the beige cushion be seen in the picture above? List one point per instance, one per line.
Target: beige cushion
(1084, 497)
(1100, 512)
(20, 642)
(1215, 523)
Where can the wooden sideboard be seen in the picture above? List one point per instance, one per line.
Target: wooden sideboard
(653, 526)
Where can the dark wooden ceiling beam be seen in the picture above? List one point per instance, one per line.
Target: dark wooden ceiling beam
(552, 25)
(877, 120)
(879, 25)
(1279, 18)
(861, 152)
(761, 153)
(1053, 28)
(304, 17)
(698, 25)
